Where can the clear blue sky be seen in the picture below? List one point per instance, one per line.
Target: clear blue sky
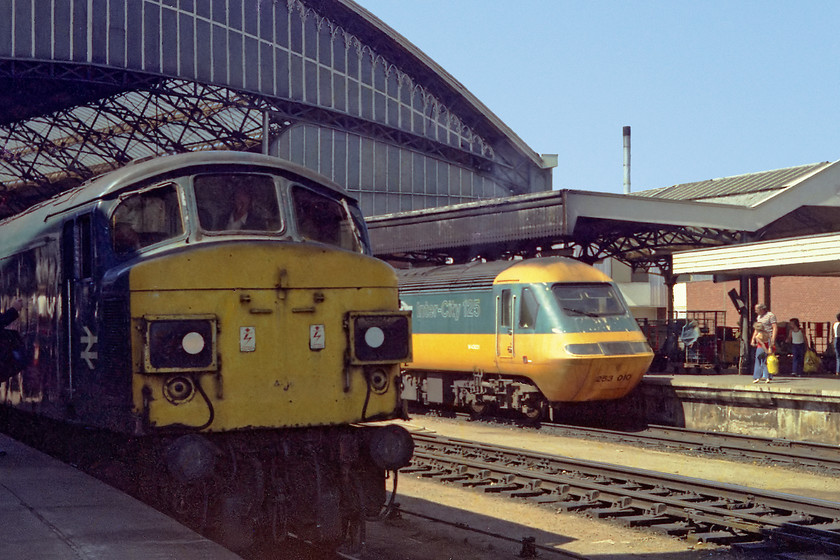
(709, 88)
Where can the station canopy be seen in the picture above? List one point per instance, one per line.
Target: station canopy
(790, 230)
(643, 229)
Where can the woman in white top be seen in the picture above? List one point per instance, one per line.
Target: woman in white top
(796, 338)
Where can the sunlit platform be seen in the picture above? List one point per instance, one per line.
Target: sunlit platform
(49, 510)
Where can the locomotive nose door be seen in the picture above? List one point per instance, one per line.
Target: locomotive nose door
(76, 340)
(505, 302)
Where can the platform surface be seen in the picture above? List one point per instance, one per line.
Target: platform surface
(51, 511)
(788, 408)
(822, 385)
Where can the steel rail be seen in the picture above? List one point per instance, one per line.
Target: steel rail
(698, 509)
(816, 455)
(796, 453)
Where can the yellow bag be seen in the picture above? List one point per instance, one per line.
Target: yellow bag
(772, 364)
(812, 362)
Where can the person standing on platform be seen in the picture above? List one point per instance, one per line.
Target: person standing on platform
(769, 325)
(760, 342)
(835, 332)
(796, 338)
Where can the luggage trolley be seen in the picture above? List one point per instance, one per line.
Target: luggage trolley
(703, 339)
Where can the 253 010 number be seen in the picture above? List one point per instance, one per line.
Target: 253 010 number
(609, 378)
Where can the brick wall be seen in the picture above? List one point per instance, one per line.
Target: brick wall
(809, 298)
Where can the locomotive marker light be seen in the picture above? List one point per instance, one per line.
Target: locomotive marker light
(374, 337)
(380, 338)
(179, 343)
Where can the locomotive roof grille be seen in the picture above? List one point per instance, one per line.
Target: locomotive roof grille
(458, 285)
(472, 277)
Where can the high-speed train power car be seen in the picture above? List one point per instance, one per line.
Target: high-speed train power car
(519, 335)
(221, 311)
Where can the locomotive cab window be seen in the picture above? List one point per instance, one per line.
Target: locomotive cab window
(588, 300)
(146, 218)
(506, 309)
(528, 309)
(237, 202)
(326, 220)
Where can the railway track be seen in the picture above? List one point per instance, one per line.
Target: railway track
(695, 509)
(817, 456)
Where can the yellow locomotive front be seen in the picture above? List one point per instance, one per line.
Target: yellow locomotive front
(261, 331)
(264, 335)
(588, 346)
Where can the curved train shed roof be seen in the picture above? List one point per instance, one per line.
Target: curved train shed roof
(90, 86)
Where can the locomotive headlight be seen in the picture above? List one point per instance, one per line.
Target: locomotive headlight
(383, 338)
(180, 343)
(584, 349)
(609, 348)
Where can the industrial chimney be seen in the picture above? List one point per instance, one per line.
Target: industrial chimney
(626, 133)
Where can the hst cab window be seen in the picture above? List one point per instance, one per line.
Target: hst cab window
(588, 300)
(327, 220)
(145, 218)
(237, 202)
(528, 309)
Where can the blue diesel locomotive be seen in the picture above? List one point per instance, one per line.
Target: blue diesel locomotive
(221, 312)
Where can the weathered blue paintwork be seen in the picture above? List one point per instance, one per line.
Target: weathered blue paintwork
(58, 256)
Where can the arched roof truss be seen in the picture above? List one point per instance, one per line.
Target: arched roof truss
(89, 85)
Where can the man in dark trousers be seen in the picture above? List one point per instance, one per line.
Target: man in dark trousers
(7, 318)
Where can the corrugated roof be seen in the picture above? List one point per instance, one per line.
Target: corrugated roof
(744, 190)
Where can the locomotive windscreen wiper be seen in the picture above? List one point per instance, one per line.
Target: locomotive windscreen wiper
(581, 312)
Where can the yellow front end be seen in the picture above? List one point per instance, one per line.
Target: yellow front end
(565, 377)
(255, 335)
(541, 358)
